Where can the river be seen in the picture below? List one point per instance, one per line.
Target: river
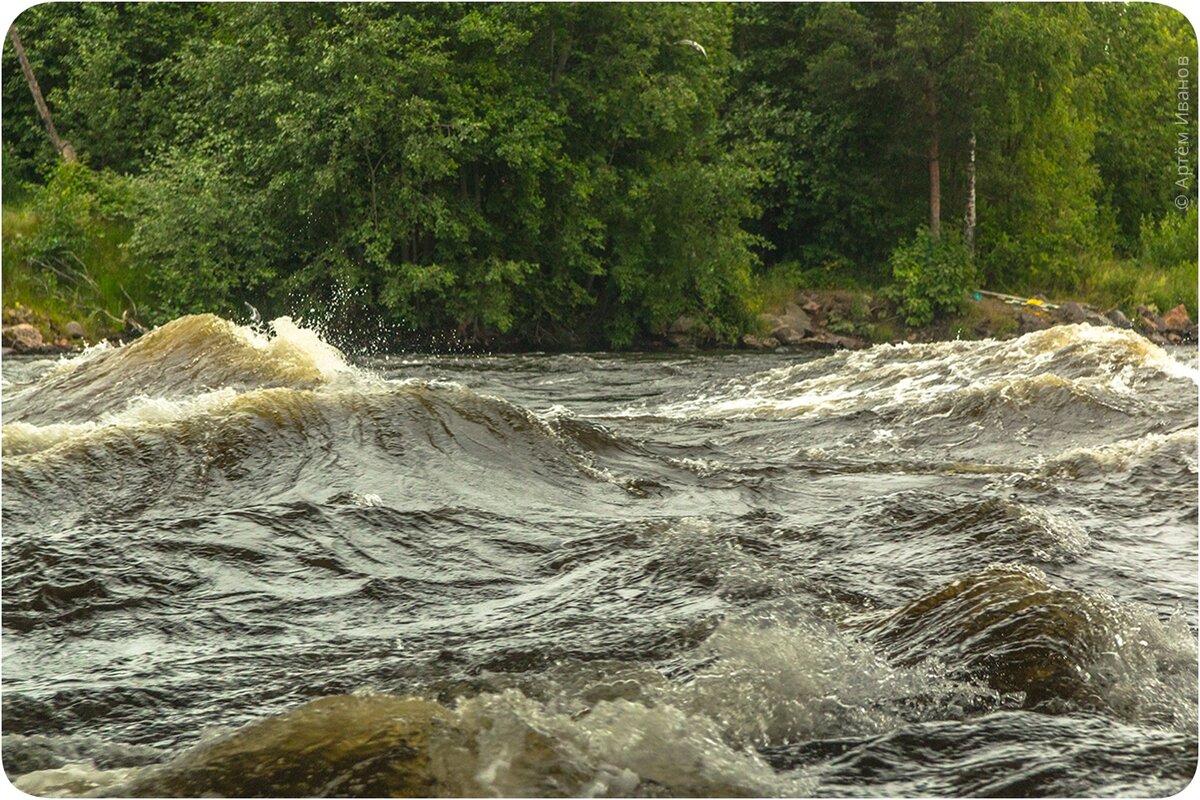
(237, 562)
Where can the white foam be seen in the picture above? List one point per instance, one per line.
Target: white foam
(21, 438)
(1092, 359)
(296, 345)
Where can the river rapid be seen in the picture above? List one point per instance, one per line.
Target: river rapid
(236, 562)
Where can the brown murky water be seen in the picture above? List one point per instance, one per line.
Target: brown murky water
(237, 562)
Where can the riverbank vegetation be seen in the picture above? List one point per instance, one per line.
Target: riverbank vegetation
(565, 175)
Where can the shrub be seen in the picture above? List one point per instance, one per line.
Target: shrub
(931, 276)
(64, 248)
(1171, 241)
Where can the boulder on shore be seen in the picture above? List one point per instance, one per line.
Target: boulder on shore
(790, 326)
(1149, 322)
(1029, 321)
(688, 333)
(1177, 319)
(1072, 312)
(22, 338)
(73, 330)
(752, 342)
(786, 334)
(1118, 319)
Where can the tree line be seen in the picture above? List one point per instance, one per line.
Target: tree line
(581, 175)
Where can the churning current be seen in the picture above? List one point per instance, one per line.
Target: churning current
(236, 562)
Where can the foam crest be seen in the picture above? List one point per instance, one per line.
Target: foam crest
(1123, 455)
(187, 356)
(21, 438)
(1090, 362)
(776, 678)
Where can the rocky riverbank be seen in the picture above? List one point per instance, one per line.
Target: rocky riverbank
(808, 320)
(839, 319)
(27, 331)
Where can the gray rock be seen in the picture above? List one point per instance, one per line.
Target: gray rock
(22, 338)
(795, 317)
(825, 339)
(683, 324)
(688, 332)
(74, 330)
(1117, 318)
(1099, 320)
(1072, 312)
(788, 335)
(1028, 321)
(690, 328)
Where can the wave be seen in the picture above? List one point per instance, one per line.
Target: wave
(390, 440)
(1175, 452)
(1102, 366)
(734, 716)
(189, 355)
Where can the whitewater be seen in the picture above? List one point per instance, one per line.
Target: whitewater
(237, 561)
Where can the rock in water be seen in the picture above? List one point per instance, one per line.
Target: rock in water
(375, 746)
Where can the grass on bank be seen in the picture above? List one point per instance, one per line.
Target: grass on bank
(1127, 284)
(64, 259)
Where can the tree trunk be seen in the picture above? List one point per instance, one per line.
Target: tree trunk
(935, 167)
(62, 147)
(969, 234)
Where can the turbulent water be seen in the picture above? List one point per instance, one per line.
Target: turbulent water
(236, 562)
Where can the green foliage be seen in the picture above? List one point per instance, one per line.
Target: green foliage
(1171, 241)
(1137, 133)
(932, 277)
(64, 248)
(488, 169)
(203, 230)
(1164, 274)
(571, 175)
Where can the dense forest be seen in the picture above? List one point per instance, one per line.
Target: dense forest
(568, 175)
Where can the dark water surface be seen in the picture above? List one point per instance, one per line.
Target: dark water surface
(238, 564)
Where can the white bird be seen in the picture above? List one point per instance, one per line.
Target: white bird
(696, 45)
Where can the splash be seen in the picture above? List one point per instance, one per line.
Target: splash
(187, 356)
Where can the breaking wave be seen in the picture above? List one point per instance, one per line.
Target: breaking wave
(238, 564)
